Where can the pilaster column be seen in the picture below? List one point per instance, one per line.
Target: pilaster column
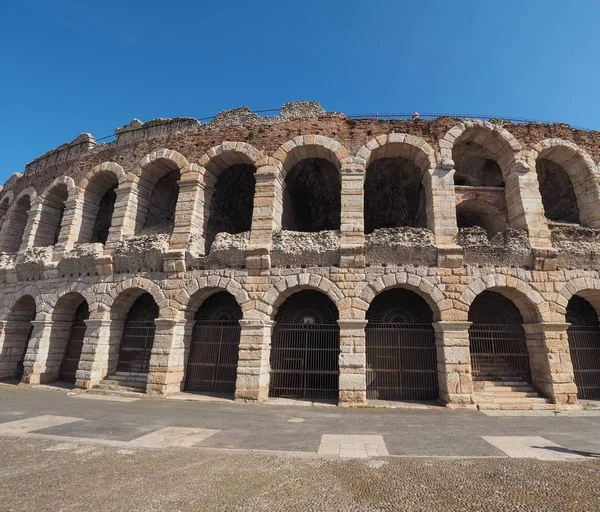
(167, 357)
(441, 203)
(96, 351)
(34, 365)
(189, 216)
(454, 364)
(124, 214)
(352, 362)
(266, 217)
(13, 337)
(33, 220)
(253, 373)
(352, 241)
(550, 361)
(71, 224)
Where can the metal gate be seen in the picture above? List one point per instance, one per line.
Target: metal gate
(138, 336)
(497, 340)
(305, 348)
(70, 361)
(584, 345)
(213, 357)
(400, 348)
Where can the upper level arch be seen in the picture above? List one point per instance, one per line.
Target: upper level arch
(568, 180)
(13, 230)
(52, 203)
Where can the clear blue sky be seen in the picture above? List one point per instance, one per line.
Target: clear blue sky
(75, 66)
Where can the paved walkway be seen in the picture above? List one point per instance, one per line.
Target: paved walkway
(292, 430)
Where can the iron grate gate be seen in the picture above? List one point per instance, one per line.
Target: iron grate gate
(304, 361)
(74, 347)
(136, 345)
(584, 345)
(401, 362)
(213, 357)
(499, 352)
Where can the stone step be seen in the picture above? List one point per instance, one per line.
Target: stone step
(516, 406)
(516, 389)
(511, 394)
(511, 399)
(124, 392)
(112, 386)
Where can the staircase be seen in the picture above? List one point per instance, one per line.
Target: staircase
(122, 384)
(509, 394)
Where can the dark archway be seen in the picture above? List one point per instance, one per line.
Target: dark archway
(473, 213)
(17, 333)
(213, 356)
(556, 189)
(13, 228)
(400, 346)
(394, 195)
(584, 346)
(51, 216)
(74, 345)
(475, 166)
(497, 340)
(305, 348)
(157, 215)
(232, 202)
(138, 336)
(312, 196)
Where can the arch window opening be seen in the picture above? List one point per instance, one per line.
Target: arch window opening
(558, 195)
(138, 336)
(103, 221)
(213, 354)
(51, 216)
(98, 207)
(18, 330)
(13, 227)
(400, 348)
(497, 340)
(473, 213)
(584, 346)
(232, 202)
(312, 196)
(305, 348)
(74, 344)
(159, 214)
(4, 204)
(475, 166)
(394, 195)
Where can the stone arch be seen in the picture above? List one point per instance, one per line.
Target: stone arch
(29, 290)
(428, 291)
(51, 228)
(529, 302)
(158, 191)
(308, 188)
(586, 287)
(501, 144)
(227, 176)
(478, 212)
(99, 198)
(16, 332)
(582, 173)
(72, 288)
(395, 192)
(122, 295)
(196, 292)
(17, 220)
(275, 296)
(5, 203)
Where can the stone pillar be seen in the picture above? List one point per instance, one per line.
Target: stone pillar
(37, 352)
(550, 361)
(266, 217)
(352, 241)
(33, 221)
(13, 336)
(524, 204)
(71, 224)
(124, 215)
(50, 352)
(189, 216)
(96, 351)
(167, 358)
(454, 364)
(441, 203)
(253, 373)
(353, 362)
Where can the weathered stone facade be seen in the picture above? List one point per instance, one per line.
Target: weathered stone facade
(50, 261)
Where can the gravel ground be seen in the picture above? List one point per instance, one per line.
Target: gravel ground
(39, 474)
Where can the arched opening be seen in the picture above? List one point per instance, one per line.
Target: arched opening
(17, 333)
(497, 340)
(400, 348)
(312, 196)
(558, 194)
(98, 208)
(584, 346)
(232, 202)
(305, 348)
(213, 355)
(475, 166)
(66, 337)
(4, 204)
(13, 227)
(51, 216)
(472, 213)
(394, 195)
(138, 336)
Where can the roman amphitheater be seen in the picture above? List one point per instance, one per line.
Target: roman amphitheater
(309, 255)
